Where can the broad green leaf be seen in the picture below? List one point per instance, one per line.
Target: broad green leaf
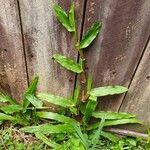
(109, 136)
(90, 35)
(63, 18)
(5, 98)
(112, 115)
(34, 101)
(115, 122)
(56, 116)
(30, 91)
(6, 117)
(72, 17)
(10, 109)
(60, 101)
(47, 141)
(90, 107)
(49, 129)
(108, 90)
(68, 63)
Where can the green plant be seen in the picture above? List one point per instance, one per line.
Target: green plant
(70, 127)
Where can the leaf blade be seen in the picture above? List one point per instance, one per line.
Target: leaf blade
(90, 107)
(68, 63)
(116, 122)
(112, 115)
(72, 16)
(6, 117)
(62, 17)
(57, 100)
(10, 109)
(56, 116)
(90, 35)
(108, 90)
(47, 141)
(49, 129)
(34, 101)
(5, 98)
(30, 91)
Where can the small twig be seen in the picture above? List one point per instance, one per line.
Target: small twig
(124, 132)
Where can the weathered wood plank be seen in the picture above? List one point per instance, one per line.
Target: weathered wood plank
(137, 100)
(44, 36)
(13, 78)
(113, 57)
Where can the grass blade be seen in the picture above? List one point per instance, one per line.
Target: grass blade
(97, 134)
(110, 136)
(47, 141)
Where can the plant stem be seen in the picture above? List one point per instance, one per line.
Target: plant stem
(83, 74)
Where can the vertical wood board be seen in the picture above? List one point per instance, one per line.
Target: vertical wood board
(13, 78)
(45, 36)
(114, 55)
(137, 100)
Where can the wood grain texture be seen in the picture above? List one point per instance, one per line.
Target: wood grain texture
(114, 55)
(45, 36)
(137, 100)
(13, 78)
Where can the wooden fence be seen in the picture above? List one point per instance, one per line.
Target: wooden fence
(30, 34)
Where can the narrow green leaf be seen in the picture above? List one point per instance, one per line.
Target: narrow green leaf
(47, 141)
(5, 98)
(56, 116)
(115, 122)
(72, 17)
(60, 101)
(80, 135)
(6, 117)
(109, 136)
(76, 95)
(97, 134)
(10, 109)
(68, 63)
(121, 121)
(90, 107)
(89, 82)
(30, 91)
(112, 115)
(108, 90)
(49, 129)
(63, 18)
(90, 35)
(34, 101)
